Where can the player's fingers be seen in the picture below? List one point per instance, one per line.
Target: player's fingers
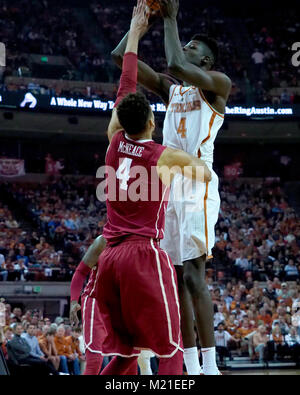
(139, 6)
(144, 6)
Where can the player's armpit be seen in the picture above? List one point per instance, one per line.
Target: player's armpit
(114, 125)
(155, 82)
(174, 161)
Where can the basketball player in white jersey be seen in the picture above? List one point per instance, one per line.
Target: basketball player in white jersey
(194, 116)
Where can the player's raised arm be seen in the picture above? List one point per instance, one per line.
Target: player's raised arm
(147, 77)
(192, 63)
(174, 161)
(128, 80)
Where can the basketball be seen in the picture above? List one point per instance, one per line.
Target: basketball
(153, 5)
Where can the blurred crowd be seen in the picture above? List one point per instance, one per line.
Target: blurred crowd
(272, 56)
(45, 28)
(25, 255)
(29, 340)
(260, 321)
(253, 279)
(258, 233)
(255, 320)
(48, 28)
(64, 217)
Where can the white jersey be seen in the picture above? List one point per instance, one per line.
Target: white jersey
(191, 123)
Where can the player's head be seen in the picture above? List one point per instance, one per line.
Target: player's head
(135, 115)
(202, 51)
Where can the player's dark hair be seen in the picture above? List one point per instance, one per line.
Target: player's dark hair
(211, 43)
(133, 113)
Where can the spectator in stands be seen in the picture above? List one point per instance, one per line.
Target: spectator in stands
(291, 271)
(242, 332)
(73, 342)
(231, 324)
(258, 60)
(276, 345)
(281, 322)
(3, 271)
(239, 313)
(19, 352)
(292, 341)
(219, 316)
(265, 317)
(222, 338)
(285, 98)
(270, 292)
(242, 265)
(67, 357)
(6, 335)
(32, 340)
(17, 312)
(11, 223)
(260, 340)
(47, 345)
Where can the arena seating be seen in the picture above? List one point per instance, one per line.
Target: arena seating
(68, 35)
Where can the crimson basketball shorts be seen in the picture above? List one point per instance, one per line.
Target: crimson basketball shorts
(136, 288)
(94, 331)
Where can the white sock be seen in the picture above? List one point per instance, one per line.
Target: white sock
(191, 361)
(210, 367)
(145, 364)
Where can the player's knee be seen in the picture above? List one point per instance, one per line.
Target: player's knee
(194, 284)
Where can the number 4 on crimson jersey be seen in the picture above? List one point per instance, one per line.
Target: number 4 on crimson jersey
(136, 197)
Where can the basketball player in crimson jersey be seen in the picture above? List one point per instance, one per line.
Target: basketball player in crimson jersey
(136, 283)
(194, 116)
(94, 331)
(93, 327)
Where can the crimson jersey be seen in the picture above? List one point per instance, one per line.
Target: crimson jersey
(136, 197)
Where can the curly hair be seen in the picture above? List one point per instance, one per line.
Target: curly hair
(133, 113)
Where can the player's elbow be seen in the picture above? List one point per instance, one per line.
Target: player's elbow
(100, 244)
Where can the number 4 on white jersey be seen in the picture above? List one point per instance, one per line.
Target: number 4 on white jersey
(123, 173)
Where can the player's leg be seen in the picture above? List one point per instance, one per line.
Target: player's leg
(171, 244)
(191, 358)
(194, 278)
(144, 362)
(93, 363)
(93, 333)
(121, 366)
(171, 366)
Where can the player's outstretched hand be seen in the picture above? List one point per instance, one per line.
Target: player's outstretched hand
(75, 307)
(140, 18)
(169, 8)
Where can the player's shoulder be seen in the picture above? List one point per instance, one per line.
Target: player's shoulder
(222, 77)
